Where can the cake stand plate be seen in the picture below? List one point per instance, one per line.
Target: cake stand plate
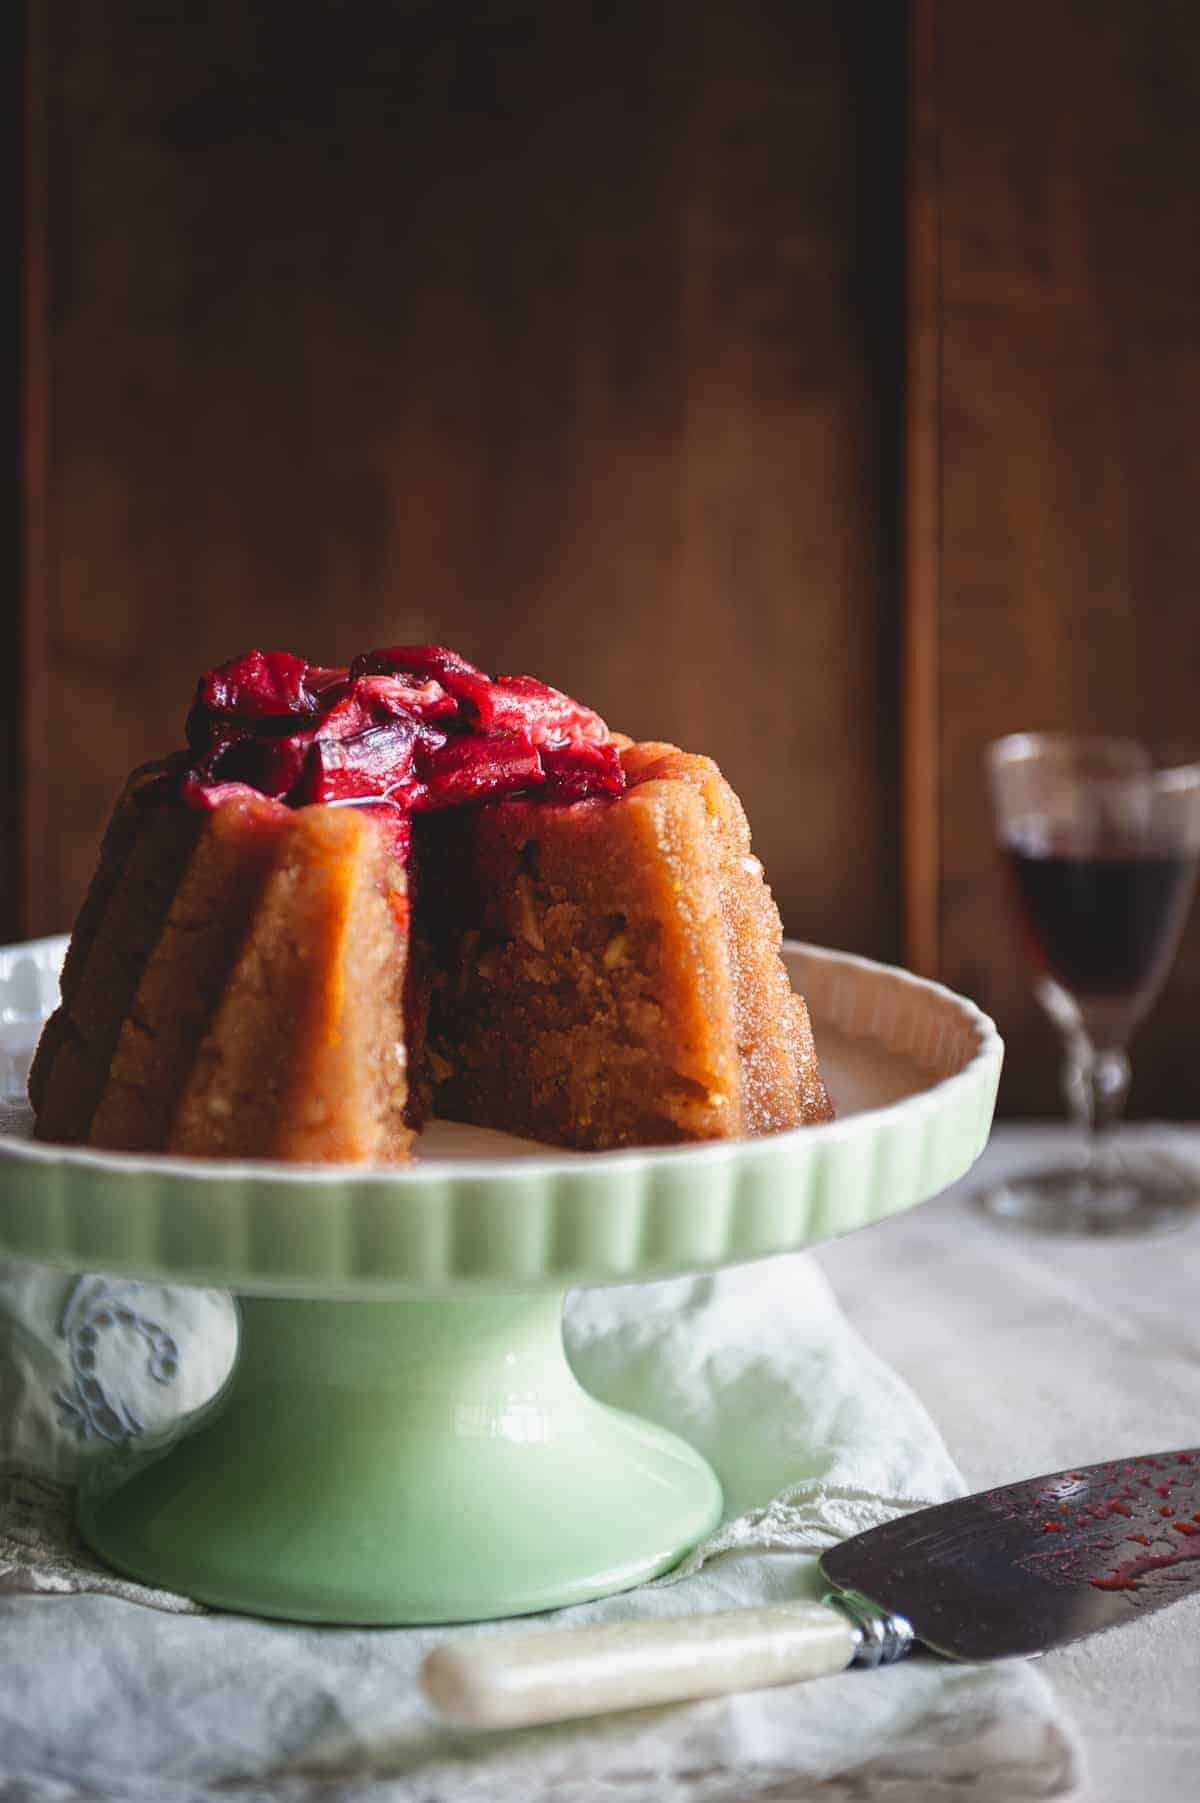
(402, 1438)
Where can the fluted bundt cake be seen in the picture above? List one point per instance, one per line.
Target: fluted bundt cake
(368, 894)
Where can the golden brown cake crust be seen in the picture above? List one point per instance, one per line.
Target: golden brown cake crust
(781, 1079)
(244, 982)
(304, 1057)
(255, 1010)
(143, 856)
(613, 973)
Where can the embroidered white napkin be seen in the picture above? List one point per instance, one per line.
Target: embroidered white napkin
(812, 1436)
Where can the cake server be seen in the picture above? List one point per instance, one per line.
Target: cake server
(1007, 1573)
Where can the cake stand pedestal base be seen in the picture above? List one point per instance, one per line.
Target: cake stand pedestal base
(403, 1462)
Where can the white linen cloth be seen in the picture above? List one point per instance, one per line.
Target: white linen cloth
(1036, 1353)
(813, 1438)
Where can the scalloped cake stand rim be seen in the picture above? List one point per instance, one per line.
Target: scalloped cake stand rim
(434, 1227)
(402, 1439)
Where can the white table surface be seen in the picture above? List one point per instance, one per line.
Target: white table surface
(1033, 1353)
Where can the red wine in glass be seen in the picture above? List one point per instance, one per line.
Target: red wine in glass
(1103, 846)
(1102, 920)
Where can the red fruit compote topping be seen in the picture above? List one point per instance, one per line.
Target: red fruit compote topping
(414, 728)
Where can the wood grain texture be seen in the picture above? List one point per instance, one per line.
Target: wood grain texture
(567, 336)
(20, 439)
(921, 774)
(1070, 144)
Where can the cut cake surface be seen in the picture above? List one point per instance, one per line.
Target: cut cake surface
(609, 974)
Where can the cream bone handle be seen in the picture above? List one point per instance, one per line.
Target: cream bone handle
(551, 1675)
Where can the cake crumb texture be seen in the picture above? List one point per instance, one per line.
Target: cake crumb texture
(610, 974)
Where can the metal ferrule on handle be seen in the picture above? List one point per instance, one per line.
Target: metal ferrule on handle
(882, 1638)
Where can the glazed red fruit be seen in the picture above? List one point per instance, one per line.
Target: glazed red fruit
(494, 704)
(471, 769)
(376, 762)
(550, 717)
(258, 683)
(417, 727)
(574, 772)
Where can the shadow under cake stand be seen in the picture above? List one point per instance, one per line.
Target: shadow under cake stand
(402, 1438)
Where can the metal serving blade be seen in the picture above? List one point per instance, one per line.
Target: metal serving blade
(1008, 1573)
(1013, 1572)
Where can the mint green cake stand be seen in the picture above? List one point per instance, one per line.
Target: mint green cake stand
(402, 1438)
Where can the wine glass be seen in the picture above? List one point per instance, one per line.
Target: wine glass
(1103, 848)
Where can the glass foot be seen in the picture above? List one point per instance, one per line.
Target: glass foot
(1142, 1194)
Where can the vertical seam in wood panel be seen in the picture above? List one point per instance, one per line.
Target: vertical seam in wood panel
(36, 425)
(14, 40)
(920, 726)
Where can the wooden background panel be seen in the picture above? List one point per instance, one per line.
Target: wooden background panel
(1070, 387)
(567, 336)
(16, 179)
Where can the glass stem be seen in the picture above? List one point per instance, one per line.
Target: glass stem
(1096, 1085)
